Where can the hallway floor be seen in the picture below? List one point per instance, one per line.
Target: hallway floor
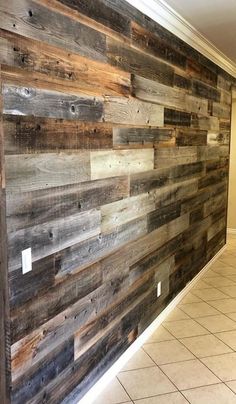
(191, 358)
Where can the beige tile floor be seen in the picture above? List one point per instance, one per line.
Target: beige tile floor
(191, 357)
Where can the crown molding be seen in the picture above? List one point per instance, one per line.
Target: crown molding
(166, 16)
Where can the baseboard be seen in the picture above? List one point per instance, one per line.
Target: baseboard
(92, 394)
(231, 231)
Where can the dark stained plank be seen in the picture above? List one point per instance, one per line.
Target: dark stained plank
(40, 206)
(124, 137)
(31, 315)
(35, 21)
(134, 61)
(101, 12)
(51, 104)
(152, 44)
(201, 72)
(191, 137)
(26, 287)
(182, 82)
(176, 118)
(29, 385)
(148, 181)
(40, 135)
(29, 172)
(54, 236)
(203, 90)
(162, 216)
(55, 65)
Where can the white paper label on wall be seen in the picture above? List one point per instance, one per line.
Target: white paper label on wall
(26, 261)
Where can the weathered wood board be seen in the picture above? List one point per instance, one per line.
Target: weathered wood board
(114, 158)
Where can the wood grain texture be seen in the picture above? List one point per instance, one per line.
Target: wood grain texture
(35, 21)
(131, 111)
(116, 150)
(120, 162)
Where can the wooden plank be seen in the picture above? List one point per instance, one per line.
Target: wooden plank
(221, 138)
(225, 97)
(177, 118)
(31, 315)
(55, 65)
(29, 385)
(191, 137)
(152, 44)
(133, 61)
(148, 90)
(159, 217)
(87, 252)
(101, 12)
(223, 83)
(205, 91)
(201, 72)
(142, 137)
(53, 237)
(221, 110)
(5, 355)
(35, 21)
(26, 287)
(182, 82)
(131, 111)
(29, 172)
(148, 181)
(205, 122)
(52, 203)
(25, 135)
(105, 164)
(165, 157)
(118, 213)
(216, 228)
(51, 104)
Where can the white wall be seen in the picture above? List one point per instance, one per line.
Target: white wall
(232, 174)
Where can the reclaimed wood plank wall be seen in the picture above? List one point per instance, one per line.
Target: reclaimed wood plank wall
(116, 137)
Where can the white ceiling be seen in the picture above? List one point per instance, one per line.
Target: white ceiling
(215, 19)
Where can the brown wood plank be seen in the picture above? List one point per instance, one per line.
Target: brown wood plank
(152, 44)
(55, 65)
(101, 12)
(35, 21)
(136, 62)
(191, 137)
(26, 135)
(176, 118)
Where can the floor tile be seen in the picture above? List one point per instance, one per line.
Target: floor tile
(208, 274)
(198, 309)
(185, 328)
(172, 398)
(167, 352)
(232, 385)
(161, 334)
(205, 345)
(217, 323)
(145, 382)
(230, 260)
(225, 271)
(210, 294)
(189, 374)
(229, 290)
(219, 281)
(114, 393)
(190, 298)
(138, 361)
(224, 366)
(232, 278)
(177, 314)
(225, 305)
(229, 338)
(232, 316)
(216, 394)
(200, 285)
